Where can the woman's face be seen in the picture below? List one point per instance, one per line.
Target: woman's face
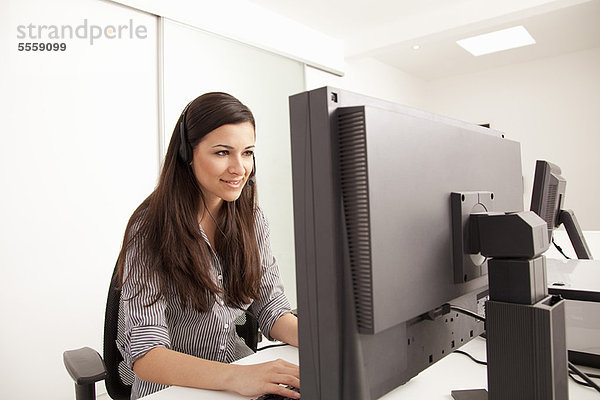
(222, 162)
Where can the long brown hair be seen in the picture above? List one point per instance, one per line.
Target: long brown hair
(164, 233)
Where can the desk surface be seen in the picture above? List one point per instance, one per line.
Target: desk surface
(574, 279)
(454, 372)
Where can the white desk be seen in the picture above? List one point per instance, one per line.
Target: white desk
(455, 372)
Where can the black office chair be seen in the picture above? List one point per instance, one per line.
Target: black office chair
(87, 367)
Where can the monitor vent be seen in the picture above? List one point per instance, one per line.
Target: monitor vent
(355, 196)
(550, 214)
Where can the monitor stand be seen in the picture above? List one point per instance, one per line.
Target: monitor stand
(525, 327)
(567, 217)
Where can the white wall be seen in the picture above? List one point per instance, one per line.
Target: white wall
(246, 22)
(550, 106)
(79, 152)
(368, 76)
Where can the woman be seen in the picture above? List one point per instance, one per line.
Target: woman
(196, 254)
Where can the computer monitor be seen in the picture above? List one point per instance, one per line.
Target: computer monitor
(375, 263)
(547, 201)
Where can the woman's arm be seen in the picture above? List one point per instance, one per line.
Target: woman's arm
(285, 329)
(169, 367)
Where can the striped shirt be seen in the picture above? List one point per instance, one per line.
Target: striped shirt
(208, 335)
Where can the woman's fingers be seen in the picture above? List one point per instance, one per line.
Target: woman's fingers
(269, 377)
(283, 391)
(288, 380)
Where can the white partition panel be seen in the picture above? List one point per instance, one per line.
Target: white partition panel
(78, 153)
(196, 62)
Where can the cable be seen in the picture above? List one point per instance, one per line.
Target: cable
(560, 250)
(271, 346)
(576, 379)
(583, 376)
(467, 312)
(470, 314)
(595, 376)
(471, 357)
(215, 221)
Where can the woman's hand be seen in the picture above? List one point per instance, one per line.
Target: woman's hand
(259, 379)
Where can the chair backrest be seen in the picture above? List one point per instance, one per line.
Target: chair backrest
(119, 377)
(247, 328)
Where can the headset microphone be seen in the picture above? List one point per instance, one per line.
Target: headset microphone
(252, 179)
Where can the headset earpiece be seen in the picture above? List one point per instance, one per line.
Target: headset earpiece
(185, 148)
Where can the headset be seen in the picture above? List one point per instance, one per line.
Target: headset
(185, 148)
(186, 153)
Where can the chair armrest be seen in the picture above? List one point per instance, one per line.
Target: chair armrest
(84, 365)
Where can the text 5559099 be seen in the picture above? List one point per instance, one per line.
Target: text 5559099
(50, 46)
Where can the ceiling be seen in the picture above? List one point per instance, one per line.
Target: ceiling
(387, 30)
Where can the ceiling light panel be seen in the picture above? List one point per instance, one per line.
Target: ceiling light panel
(493, 42)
